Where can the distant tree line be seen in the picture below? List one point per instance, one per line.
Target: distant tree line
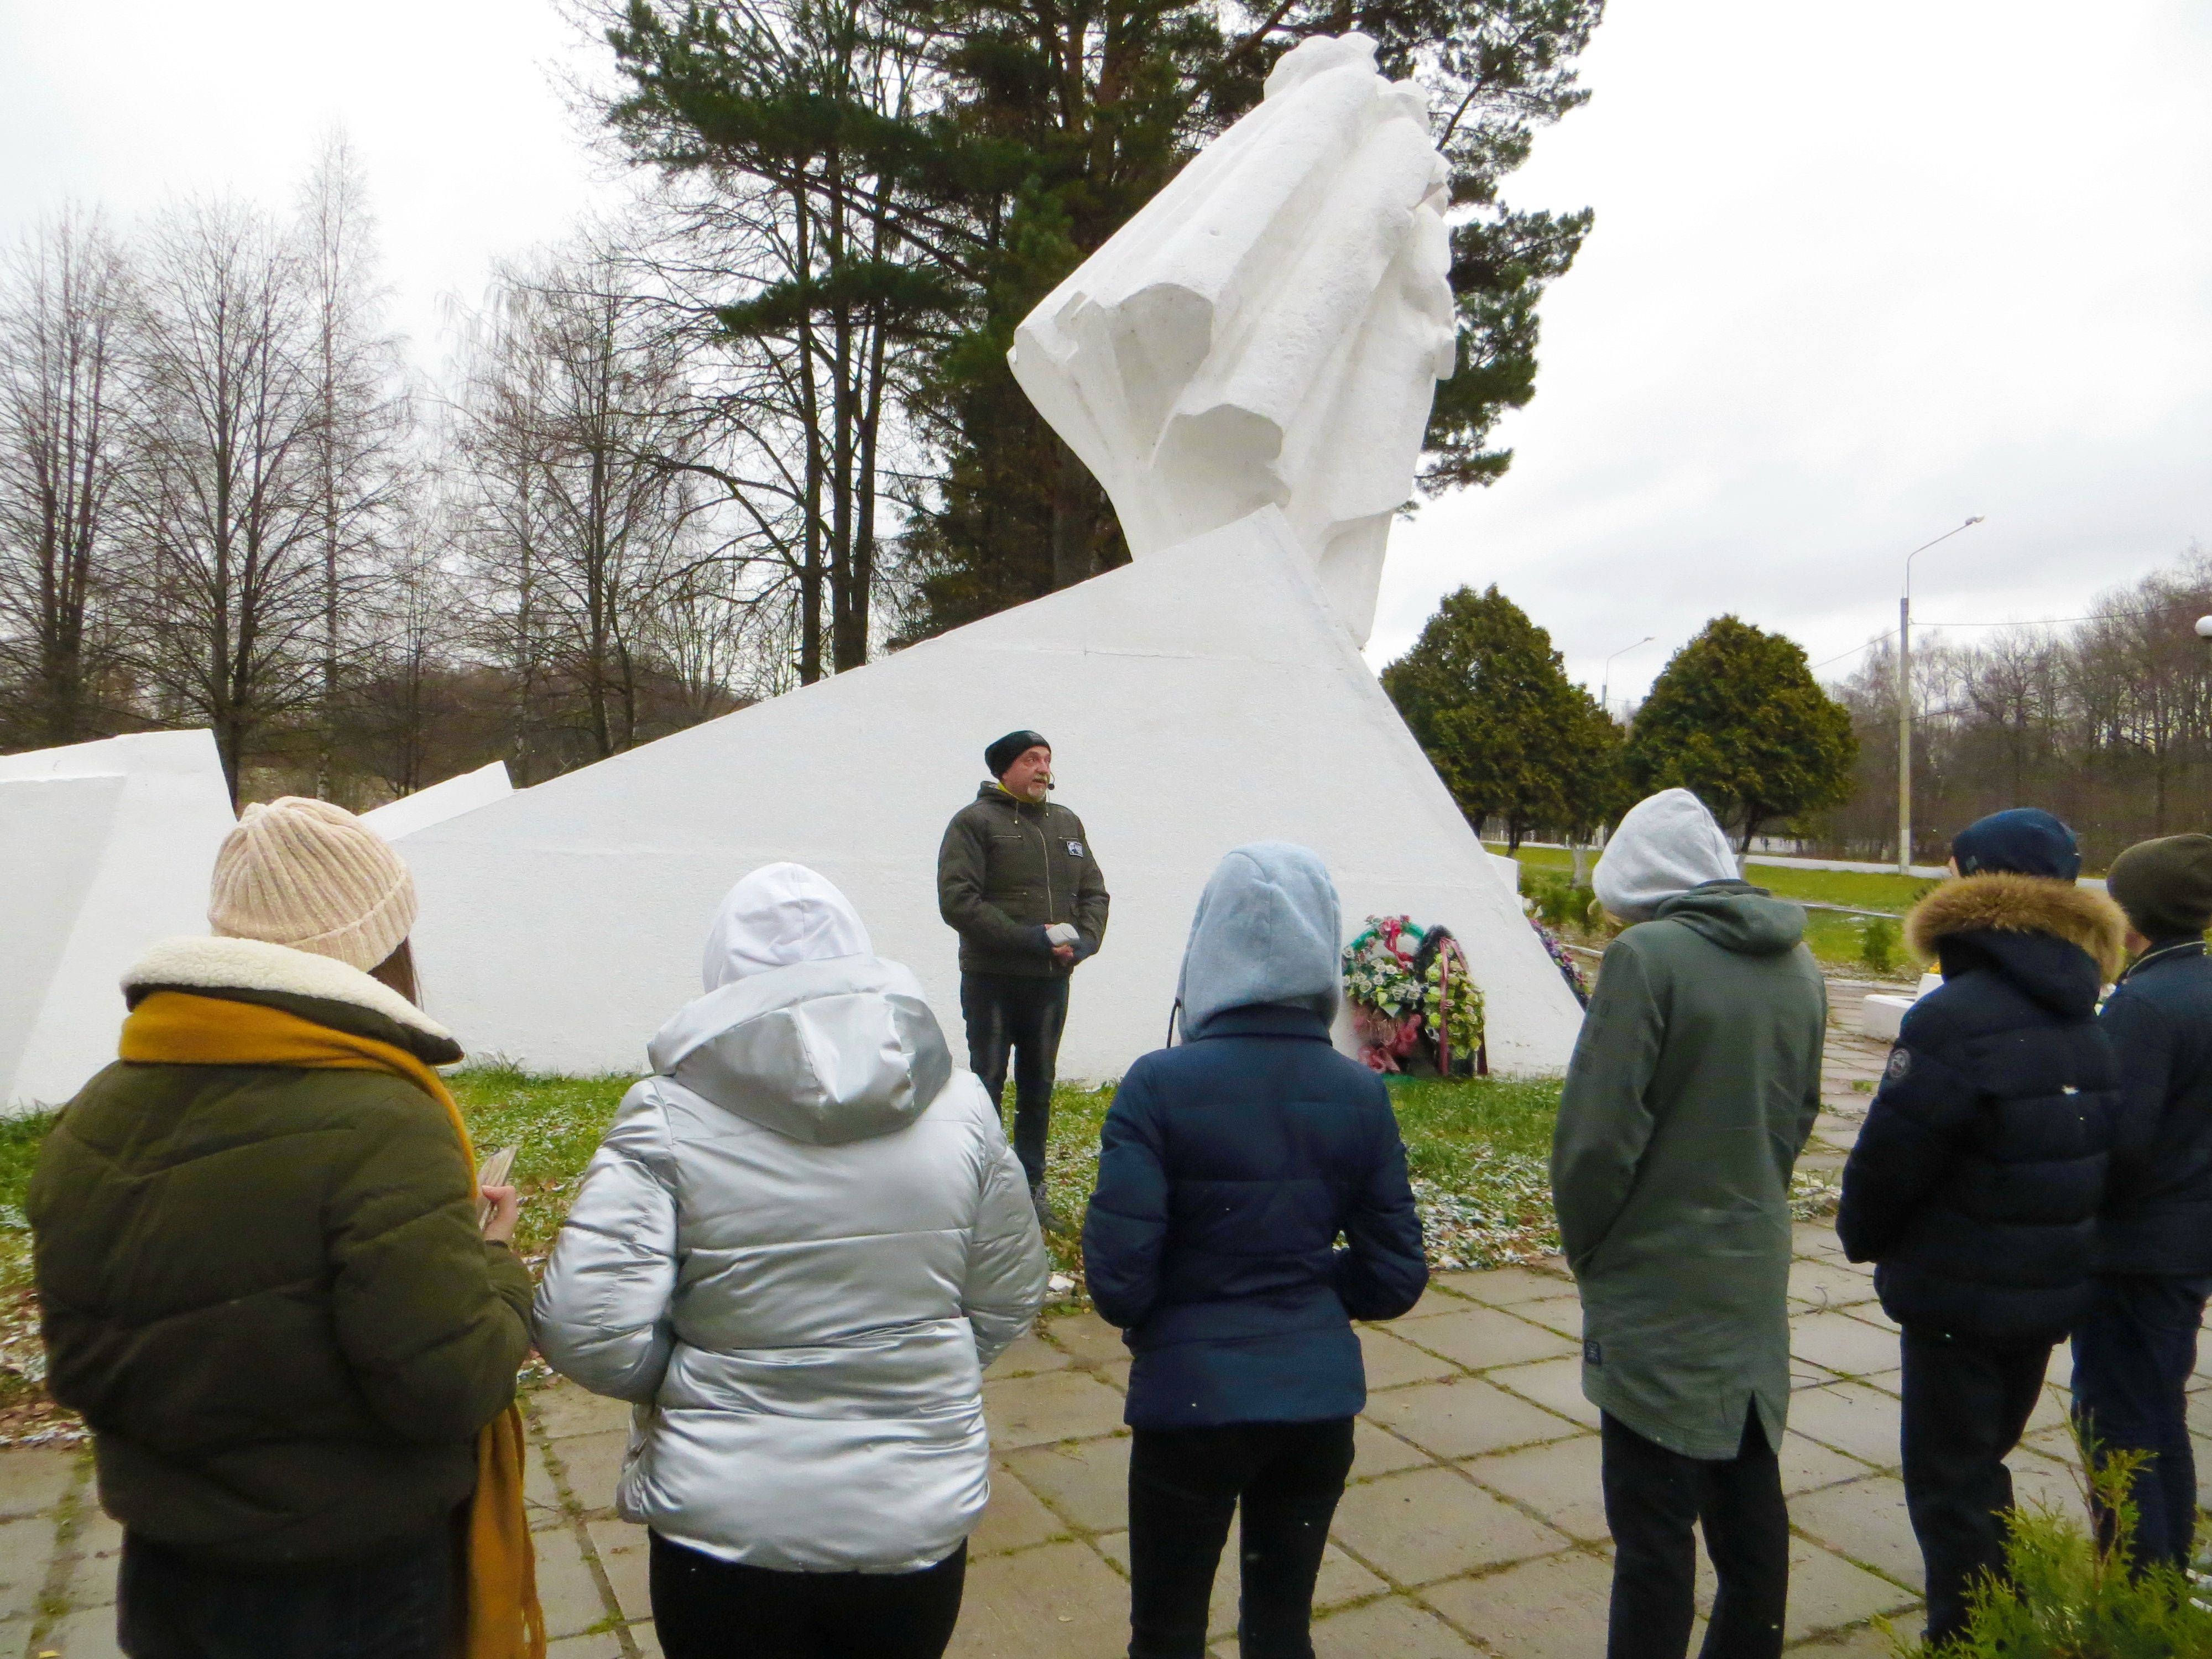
(756, 432)
(2105, 720)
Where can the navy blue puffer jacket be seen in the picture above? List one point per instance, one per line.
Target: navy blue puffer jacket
(1230, 1167)
(1975, 1182)
(2158, 1203)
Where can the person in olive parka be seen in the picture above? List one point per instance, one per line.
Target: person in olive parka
(265, 1287)
(1693, 1088)
(1974, 1183)
(1017, 880)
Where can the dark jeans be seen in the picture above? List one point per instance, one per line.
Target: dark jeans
(1184, 1485)
(707, 1608)
(1009, 1013)
(2133, 1355)
(397, 1604)
(1653, 1496)
(1965, 1404)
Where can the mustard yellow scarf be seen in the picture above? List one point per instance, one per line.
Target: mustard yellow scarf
(500, 1593)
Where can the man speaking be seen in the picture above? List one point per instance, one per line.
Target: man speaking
(1016, 877)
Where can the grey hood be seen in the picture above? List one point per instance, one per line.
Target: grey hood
(1267, 930)
(823, 1052)
(1663, 845)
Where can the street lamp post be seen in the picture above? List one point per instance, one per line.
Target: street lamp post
(1605, 688)
(1905, 702)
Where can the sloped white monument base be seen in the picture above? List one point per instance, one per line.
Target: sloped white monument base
(106, 847)
(1883, 1013)
(463, 792)
(1202, 697)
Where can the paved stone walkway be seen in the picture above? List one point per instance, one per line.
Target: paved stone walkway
(1473, 1525)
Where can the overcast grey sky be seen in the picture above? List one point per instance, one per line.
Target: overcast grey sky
(1859, 271)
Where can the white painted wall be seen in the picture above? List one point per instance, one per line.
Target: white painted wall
(1199, 698)
(107, 847)
(463, 792)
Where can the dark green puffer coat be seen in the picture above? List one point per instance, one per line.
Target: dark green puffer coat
(1009, 868)
(1693, 1086)
(264, 1286)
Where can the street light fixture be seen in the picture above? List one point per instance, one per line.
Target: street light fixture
(1605, 689)
(1904, 700)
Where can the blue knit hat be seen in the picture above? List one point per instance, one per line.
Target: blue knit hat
(2023, 840)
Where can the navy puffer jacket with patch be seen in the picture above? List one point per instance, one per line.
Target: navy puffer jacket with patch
(1975, 1182)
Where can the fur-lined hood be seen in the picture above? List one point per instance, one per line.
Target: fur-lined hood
(321, 989)
(2003, 904)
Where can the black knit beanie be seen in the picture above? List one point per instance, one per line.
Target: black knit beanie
(2165, 886)
(1011, 748)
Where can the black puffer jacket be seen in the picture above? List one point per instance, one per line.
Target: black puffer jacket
(1975, 1182)
(2158, 1204)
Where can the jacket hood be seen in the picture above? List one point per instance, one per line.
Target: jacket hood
(2058, 942)
(1268, 929)
(779, 914)
(1664, 844)
(824, 1052)
(317, 987)
(1737, 916)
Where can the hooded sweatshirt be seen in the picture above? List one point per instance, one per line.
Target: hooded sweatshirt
(1229, 1165)
(801, 1243)
(1693, 1088)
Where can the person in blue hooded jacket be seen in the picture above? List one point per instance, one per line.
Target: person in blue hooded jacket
(1228, 1168)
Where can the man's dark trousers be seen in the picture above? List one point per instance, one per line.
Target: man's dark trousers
(1184, 1485)
(1018, 1014)
(1965, 1406)
(2133, 1355)
(1653, 1497)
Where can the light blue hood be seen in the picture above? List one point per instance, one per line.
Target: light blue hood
(1268, 930)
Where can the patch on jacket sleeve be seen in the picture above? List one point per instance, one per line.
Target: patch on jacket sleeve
(1075, 849)
(1592, 1353)
(1900, 1063)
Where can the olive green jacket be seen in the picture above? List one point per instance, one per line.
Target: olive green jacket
(264, 1287)
(1693, 1088)
(1008, 869)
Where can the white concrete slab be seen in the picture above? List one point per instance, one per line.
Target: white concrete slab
(464, 793)
(1199, 698)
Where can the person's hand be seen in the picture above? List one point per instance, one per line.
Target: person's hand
(1063, 954)
(506, 1210)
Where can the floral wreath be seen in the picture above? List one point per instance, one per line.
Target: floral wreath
(1412, 995)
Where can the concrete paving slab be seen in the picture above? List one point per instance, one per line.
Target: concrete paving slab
(647, 1640)
(622, 1548)
(1864, 1520)
(564, 1409)
(1391, 1629)
(1435, 1300)
(1551, 1608)
(1013, 1519)
(566, 1588)
(1463, 1418)
(1560, 1482)
(1556, 1383)
(1087, 1337)
(97, 1547)
(591, 1464)
(1806, 1464)
(1376, 1450)
(600, 1644)
(1055, 1602)
(1392, 1362)
(1816, 1239)
(1035, 1411)
(34, 1478)
(1562, 1314)
(91, 1635)
(1843, 1344)
(1507, 1287)
(1827, 1592)
(1851, 1418)
(1433, 1523)
(1087, 1482)
(1026, 1356)
(1820, 1282)
(1478, 1338)
(1342, 1579)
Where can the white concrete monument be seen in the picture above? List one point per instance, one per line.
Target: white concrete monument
(1247, 366)
(105, 846)
(463, 792)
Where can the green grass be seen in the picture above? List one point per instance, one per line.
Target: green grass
(557, 1121)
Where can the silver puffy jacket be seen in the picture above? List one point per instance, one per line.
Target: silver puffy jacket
(798, 1245)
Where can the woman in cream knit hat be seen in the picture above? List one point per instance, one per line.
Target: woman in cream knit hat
(265, 1287)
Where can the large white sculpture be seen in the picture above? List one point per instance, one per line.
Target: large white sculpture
(104, 847)
(1248, 366)
(1268, 330)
